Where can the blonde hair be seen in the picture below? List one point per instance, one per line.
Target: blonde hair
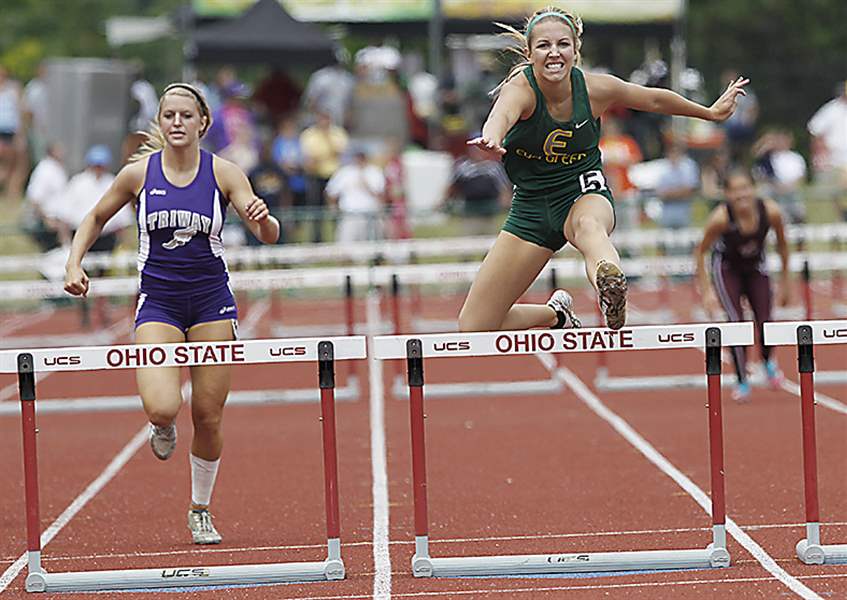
(520, 39)
(154, 139)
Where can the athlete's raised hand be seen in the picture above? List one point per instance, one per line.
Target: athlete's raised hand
(724, 106)
(491, 148)
(76, 281)
(257, 210)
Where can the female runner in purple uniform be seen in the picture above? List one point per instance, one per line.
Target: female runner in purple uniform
(180, 193)
(738, 229)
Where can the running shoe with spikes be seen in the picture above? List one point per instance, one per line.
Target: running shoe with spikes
(741, 393)
(611, 288)
(163, 440)
(774, 374)
(562, 303)
(202, 529)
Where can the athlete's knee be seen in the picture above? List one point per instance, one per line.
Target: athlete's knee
(161, 416)
(588, 225)
(207, 419)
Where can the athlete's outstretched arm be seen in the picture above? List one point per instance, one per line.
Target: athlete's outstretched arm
(515, 99)
(607, 91)
(715, 226)
(124, 188)
(252, 209)
(778, 225)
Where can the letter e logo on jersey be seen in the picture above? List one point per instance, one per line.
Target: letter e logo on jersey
(556, 142)
(181, 238)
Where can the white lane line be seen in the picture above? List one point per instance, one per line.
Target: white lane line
(664, 465)
(110, 335)
(379, 466)
(79, 502)
(21, 321)
(820, 398)
(788, 385)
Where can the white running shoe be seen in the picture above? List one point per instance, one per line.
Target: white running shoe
(202, 530)
(562, 303)
(163, 440)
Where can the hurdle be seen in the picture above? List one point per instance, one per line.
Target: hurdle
(508, 343)
(88, 358)
(805, 335)
(802, 263)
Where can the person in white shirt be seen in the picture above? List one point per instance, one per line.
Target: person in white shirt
(44, 196)
(828, 127)
(781, 172)
(85, 189)
(356, 189)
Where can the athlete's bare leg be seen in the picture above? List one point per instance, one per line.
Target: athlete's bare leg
(508, 270)
(159, 387)
(587, 227)
(209, 391)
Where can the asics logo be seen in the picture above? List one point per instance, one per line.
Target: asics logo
(226, 309)
(181, 238)
(158, 192)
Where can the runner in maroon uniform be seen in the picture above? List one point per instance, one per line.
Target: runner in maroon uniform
(737, 229)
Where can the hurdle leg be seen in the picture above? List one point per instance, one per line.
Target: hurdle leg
(719, 556)
(809, 550)
(326, 380)
(26, 386)
(421, 561)
(807, 291)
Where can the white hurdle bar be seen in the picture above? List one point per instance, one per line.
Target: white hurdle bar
(805, 335)
(506, 343)
(402, 250)
(323, 351)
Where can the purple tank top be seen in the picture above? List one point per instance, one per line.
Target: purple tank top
(179, 231)
(744, 252)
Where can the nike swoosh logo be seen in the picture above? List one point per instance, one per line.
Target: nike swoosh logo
(578, 125)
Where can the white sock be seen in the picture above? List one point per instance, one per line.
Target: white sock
(203, 473)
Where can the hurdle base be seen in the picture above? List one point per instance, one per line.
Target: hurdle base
(184, 577)
(819, 554)
(547, 564)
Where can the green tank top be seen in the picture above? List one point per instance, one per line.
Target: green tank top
(545, 155)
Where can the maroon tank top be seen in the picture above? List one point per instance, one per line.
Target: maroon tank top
(744, 252)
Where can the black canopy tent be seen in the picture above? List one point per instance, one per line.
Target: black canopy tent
(265, 34)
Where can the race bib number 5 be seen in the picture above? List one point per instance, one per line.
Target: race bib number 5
(592, 181)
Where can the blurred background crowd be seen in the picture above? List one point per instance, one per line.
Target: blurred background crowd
(361, 135)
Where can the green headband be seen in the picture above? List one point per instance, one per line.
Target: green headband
(550, 13)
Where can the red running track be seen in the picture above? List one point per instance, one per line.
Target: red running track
(507, 475)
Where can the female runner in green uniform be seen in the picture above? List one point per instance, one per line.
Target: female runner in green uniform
(545, 125)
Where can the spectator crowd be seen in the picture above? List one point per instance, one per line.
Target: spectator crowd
(328, 158)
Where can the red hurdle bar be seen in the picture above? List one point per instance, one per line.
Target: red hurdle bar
(807, 290)
(349, 317)
(715, 555)
(713, 374)
(326, 380)
(806, 367)
(414, 361)
(39, 580)
(804, 336)
(26, 385)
